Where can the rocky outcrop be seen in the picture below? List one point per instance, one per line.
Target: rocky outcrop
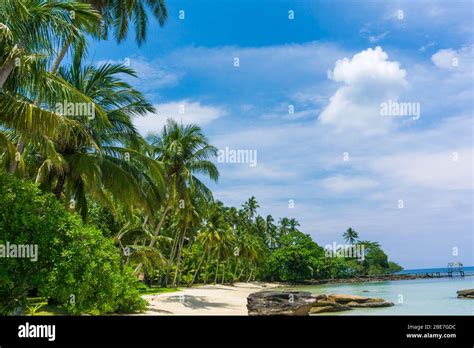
(294, 303)
(467, 293)
(344, 302)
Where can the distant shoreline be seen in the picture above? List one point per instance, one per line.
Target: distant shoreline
(367, 279)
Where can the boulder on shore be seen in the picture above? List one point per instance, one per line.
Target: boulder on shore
(467, 293)
(344, 298)
(344, 302)
(294, 303)
(333, 307)
(370, 304)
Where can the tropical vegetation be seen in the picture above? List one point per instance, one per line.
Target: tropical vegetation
(115, 214)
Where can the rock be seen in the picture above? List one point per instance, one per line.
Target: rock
(332, 308)
(375, 300)
(341, 301)
(467, 293)
(370, 304)
(294, 303)
(344, 298)
(323, 303)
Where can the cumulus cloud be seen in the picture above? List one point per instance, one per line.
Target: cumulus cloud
(451, 59)
(184, 111)
(369, 79)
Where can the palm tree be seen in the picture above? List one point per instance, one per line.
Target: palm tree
(350, 236)
(284, 226)
(92, 159)
(271, 232)
(29, 32)
(184, 152)
(116, 15)
(37, 27)
(250, 207)
(214, 233)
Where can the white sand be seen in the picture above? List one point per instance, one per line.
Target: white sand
(205, 300)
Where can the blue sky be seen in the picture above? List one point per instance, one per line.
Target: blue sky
(333, 64)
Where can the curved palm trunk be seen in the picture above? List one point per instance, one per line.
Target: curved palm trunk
(60, 57)
(155, 234)
(250, 276)
(170, 263)
(197, 270)
(14, 164)
(178, 258)
(6, 70)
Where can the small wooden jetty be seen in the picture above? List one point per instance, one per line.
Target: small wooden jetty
(454, 267)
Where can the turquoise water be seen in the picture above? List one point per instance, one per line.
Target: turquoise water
(435, 296)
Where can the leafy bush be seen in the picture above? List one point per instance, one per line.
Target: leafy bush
(77, 266)
(295, 260)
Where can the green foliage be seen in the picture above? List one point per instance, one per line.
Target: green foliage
(74, 261)
(295, 260)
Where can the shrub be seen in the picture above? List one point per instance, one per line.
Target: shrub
(295, 260)
(76, 267)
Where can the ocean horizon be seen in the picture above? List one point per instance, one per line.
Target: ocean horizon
(423, 296)
(468, 270)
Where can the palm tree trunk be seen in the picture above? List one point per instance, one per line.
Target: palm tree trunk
(155, 234)
(197, 269)
(217, 271)
(241, 273)
(59, 186)
(13, 164)
(217, 266)
(6, 70)
(60, 57)
(236, 268)
(178, 257)
(170, 262)
(250, 276)
(223, 273)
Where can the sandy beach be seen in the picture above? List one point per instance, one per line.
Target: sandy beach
(205, 300)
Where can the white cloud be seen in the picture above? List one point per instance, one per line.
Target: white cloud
(369, 79)
(451, 59)
(447, 170)
(184, 111)
(152, 74)
(375, 38)
(344, 184)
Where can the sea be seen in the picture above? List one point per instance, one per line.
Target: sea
(433, 296)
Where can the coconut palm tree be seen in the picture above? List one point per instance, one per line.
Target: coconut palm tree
(350, 236)
(184, 152)
(116, 16)
(102, 158)
(38, 26)
(250, 207)
(29, 32)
